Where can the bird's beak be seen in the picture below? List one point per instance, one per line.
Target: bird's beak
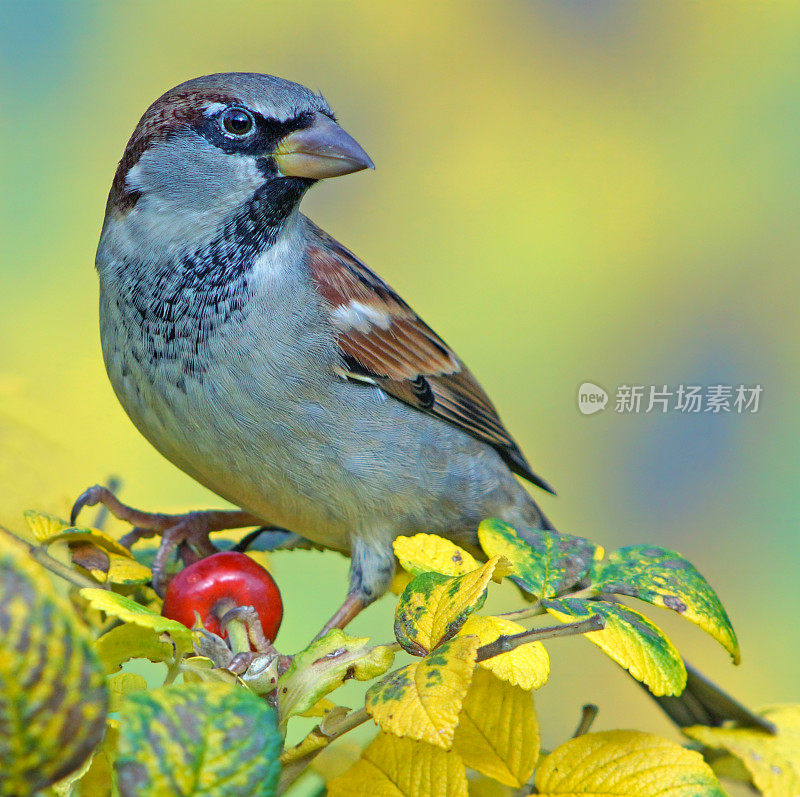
(321, 150)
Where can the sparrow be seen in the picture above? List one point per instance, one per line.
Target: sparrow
(270, 364)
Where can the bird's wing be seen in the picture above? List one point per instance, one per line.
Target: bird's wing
(383, 341)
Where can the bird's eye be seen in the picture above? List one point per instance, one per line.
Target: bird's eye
(237, 121)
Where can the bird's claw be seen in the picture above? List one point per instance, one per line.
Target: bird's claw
(90, 497)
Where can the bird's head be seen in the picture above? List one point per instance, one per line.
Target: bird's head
(227, 144)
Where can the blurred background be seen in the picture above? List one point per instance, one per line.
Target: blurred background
(567, 191)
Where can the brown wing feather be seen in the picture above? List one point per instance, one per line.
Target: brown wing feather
(382, 339)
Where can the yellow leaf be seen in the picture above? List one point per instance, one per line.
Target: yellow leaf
(392, 767)
(433, 607)
(44, 525)
(631, 640)
(488, 787)
(92, 537)
(126, 570)
(121, 685)
(527, 666)
(130, 642)
(772, 760)
(321, 708)
(313, 741)
(423, 700)
(400, 581)
(497, 733)
(129, 611)
(428, 552)
(98, 779)
(627, 763)
(199, 669)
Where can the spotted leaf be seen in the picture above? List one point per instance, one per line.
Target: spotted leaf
(631, 640)
(424, 553)
(423, 700)
(543, 562)
(53, 698)
(198, 739)
(433, 607)
(664, 578)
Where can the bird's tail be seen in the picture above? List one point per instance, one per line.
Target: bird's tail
(702, 702)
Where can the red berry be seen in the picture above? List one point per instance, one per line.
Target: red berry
(227, 575)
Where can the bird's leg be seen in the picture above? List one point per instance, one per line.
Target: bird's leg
(191, 530)
(371, 572)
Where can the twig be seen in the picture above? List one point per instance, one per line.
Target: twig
(587, 718)
(41, 556)
(333, 730)
(503, 644)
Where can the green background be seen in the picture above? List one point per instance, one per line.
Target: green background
(566, 191)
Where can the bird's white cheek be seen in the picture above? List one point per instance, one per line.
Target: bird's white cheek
(190, 175)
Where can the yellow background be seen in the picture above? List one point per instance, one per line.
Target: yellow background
(566, 191)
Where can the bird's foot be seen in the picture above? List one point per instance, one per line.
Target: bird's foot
(188, 532)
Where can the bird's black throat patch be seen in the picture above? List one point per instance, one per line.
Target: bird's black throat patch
(178, 306)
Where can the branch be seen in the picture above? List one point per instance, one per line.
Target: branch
(503, 644)
(323, 734)
(587, 718)
(533, 610)
(38, 554)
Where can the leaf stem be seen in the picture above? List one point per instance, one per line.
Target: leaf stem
(503, 644)
(587, 718)
(40, 555)
(173, 669)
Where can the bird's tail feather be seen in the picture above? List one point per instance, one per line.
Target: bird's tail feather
(702, 702)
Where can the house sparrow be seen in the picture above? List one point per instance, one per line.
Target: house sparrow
(267, 361)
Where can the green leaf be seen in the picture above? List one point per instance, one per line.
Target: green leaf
(433, 607)
(664, 578)
(631, 640)
(53, 698)
(544, 563)
(130, 641)
(630, 763)
(198, 739)
(129, 611)
(324, 665)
